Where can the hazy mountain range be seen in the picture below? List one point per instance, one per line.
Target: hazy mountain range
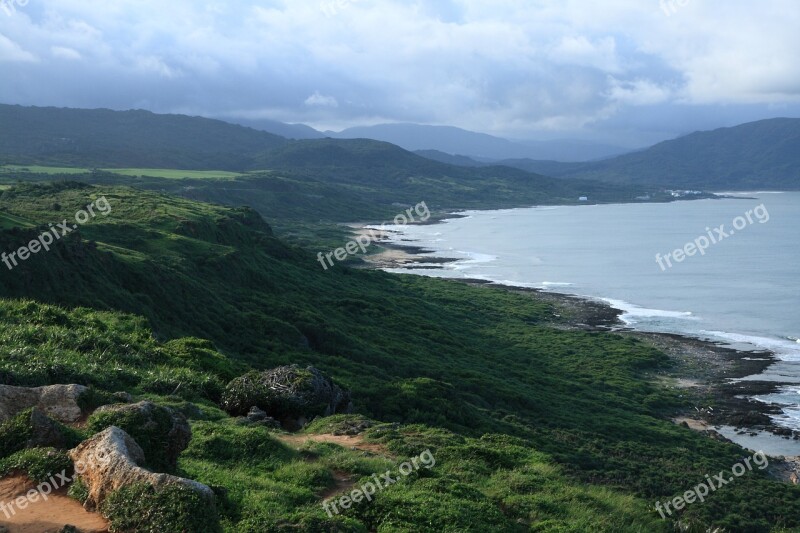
(763, 154)
(756, 155)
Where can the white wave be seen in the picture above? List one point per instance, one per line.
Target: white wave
(785, 349)
(474, 258)
(633, 312)
(746, 193)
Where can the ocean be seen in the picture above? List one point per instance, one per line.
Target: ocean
(736, 278)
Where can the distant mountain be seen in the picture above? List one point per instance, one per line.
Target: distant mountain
(330, 179)
(477, 145)
(290, 131)
(548, 168)
(458, 160)
(756, 155)
(106, 138)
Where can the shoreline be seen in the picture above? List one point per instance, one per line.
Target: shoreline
(704, 369)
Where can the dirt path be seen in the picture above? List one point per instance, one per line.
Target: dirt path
(44, 516)
(348, 441)
(343, 481)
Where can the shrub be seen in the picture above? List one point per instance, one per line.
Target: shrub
(175, 508)
(38, 463)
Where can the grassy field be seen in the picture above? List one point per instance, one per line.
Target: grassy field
(534, 428)
(8, 221)
(165, 173)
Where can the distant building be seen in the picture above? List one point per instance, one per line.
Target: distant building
(583, 199)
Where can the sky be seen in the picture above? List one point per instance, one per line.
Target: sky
(623, 72)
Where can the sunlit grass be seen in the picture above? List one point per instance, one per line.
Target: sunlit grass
(166, 173)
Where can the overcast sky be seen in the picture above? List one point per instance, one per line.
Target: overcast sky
(630, 72)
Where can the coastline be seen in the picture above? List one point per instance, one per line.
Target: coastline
(706, 371)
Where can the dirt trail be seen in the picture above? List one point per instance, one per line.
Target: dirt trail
(44, 516)
(343, 481)
(347, 441)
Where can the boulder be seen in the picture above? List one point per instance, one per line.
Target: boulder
(59, 402)
(289, 394)
(162, 432)
(119, 467)
(45, 433)
(31, 429)
(258, 417)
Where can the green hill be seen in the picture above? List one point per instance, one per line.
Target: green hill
(753, 156)
(534, 426)
(105, 138)
(282, 179)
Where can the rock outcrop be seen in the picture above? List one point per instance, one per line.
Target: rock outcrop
(119, 467)
(59, 402)
(289, 394)
(162, 432)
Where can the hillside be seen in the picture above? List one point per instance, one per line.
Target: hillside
(284, 180)
(453, 140)
(533, 426)
(753, 156)
(121, 139)
(282, 129)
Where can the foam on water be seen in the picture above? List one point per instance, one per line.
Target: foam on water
(633, 314)
(785, 349)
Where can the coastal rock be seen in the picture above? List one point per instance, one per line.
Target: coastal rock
(164, 432)
(749, 420)
(110, 460)
(59, 402)
(289, 394)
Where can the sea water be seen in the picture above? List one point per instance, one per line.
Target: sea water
(742, 289)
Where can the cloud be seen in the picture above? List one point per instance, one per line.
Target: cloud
(64, 52)
(319, 100)
(12, 52)
(511, 67)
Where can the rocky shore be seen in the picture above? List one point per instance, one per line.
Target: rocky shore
(708, 374)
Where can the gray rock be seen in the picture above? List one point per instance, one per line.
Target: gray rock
(59, 402)
(179, 433)
(46, 433)
(289, 394)
(110, 460)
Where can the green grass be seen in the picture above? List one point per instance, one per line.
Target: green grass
(173, 173)
(38, 169)
(533, 427)
(165, 173)
(8, 221)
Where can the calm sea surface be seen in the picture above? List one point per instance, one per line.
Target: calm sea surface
(744, 290)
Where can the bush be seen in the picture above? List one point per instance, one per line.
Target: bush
(15, 433)
(38, 463)
(150, 430)
(140, 508)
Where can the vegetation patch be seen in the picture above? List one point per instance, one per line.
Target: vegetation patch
(171, 509)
